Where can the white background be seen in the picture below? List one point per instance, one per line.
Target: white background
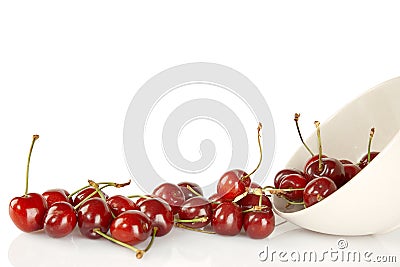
(68, 71)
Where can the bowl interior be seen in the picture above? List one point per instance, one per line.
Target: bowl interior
(345, 135)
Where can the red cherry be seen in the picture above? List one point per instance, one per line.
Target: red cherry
(227, 219)
(251, 200)
(259, 224)
(350, 171)
(172, 194)
(27, 212)
(189, 194)
(60, 219)
(364, 160)
(215, 200)
(293, 181)
(131, 227)
(56, 195)
(196, 207)
(230, 185)
(331, 168)
(283, 173)
(119, 204)
(317, 190)
(83, 194)
(94, 213)
(160, 214)
(311, 160)
(346, 161)
(255, 185)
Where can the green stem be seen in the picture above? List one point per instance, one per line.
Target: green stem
(90, 196)
(179, 225)
(260, 149)
(193, 191)
(371, 135)
(34, 138)
(155, 229)
(317, 124)
(194, 220)
(139, 252)
(296, 119)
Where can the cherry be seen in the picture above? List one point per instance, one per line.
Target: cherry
(92, 214)
(346, 161)
(141, 198)
(215, 200)
(60, 219)
(293, 181)
(318, 189)
(350, 170)
(172, 194)
(364, 160)
(193, 208)
(325, 166)
(119, 204)
(259, 224)
(56, 195)
(160, 214)
(131, 227)
(188, 188)
(251, 200)
(27, 212)
(235, 182)
(230, 184)
(283, 173)
(254, 185)
(311, 160)
(84, 193)
(227, 219)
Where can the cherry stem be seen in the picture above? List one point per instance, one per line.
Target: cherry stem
(90, 196)
(296, 119)
(260, 148)
(194, 220)
(116, 185)
(371, 136)
(139, 252)
(317, 124)
(193, 191)
(34, 138)
(274, 190)
(179, 225)
(153, 236)
(96, 187)
(256, 208)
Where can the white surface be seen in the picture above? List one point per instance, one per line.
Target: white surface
(69, 70)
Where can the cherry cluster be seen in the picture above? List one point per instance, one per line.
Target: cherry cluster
(321, 176)
(131, 220)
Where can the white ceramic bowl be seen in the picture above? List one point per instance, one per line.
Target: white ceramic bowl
(369, 203)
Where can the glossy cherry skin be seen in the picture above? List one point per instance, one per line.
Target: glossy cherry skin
(189, 194)
(56, 195)
(27, 212)
(346, 161)
(85, 193)
(350, 171)
(259, 224)
(312, 160)
(60, 219)
(364, 160)
(119, 204)
(160, 214)
(252, 200)
(215, 200)
(196, 207)
(94, 213)
(172, 194)
(331, 168)
(227, 219)
(255, 185)
(283, 173)
(132, 227)
(317, 190)
(230, 185)
(293, 181)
